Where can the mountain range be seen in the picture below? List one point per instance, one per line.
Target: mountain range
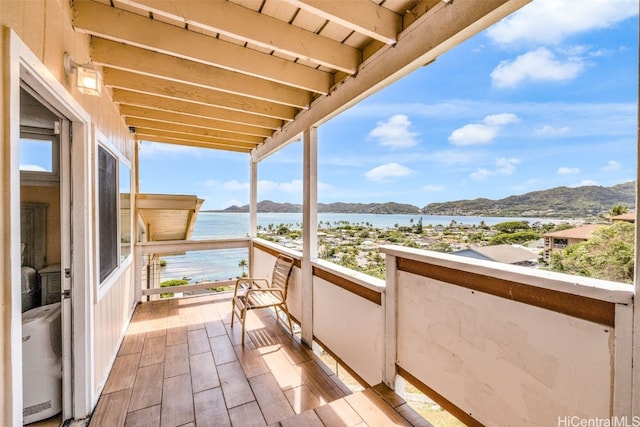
(555, 202)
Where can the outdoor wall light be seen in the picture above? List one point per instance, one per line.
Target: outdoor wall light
(88, 79)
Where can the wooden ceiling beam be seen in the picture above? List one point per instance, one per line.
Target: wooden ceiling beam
(191, 143)
(362, 16)
(139, 123)
(127, 27)
(133, 111)
(195, 138)
(253, 124)
(143, 61)
(250, 26)
(174, 90)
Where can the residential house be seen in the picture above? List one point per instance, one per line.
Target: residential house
(507, 254)
(627, 217)
(504, 345)
(558, 240)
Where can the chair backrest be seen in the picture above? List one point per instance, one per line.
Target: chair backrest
(281, 273)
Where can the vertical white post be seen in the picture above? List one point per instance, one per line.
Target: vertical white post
(390, 318)
(635, 393)
(253, 209)
(309, 229)
(135, 231)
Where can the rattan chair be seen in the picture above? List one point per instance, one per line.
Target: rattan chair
(253, 293)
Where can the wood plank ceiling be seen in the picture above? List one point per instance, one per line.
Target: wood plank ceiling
(233, 74)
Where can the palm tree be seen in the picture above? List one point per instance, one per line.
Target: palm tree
(618, 210)
(243, 264)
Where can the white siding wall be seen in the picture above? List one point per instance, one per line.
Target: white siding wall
(45, 27)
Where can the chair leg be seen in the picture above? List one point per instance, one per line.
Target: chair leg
(286, 311)
(244, 318)
(233, 310)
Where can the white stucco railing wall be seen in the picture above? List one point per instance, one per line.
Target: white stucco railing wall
(540, 347)
(348, 309)
(348, 318)
(263, 258)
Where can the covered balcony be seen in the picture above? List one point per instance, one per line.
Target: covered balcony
(492, 344)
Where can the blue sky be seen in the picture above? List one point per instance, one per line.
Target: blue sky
(545, 98)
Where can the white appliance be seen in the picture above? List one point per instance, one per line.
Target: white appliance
(41, 363)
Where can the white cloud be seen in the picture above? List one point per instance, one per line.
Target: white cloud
(548, 130)
(481, 174)
(395, 133)
(432, 187)
(537, 65)
(584, 183)
(506, 166)
(482, 133)
(503, 166)
(611, 166)
(552, 21)
(235, 185)
(32, 168)
(565, 170)
(388, 170)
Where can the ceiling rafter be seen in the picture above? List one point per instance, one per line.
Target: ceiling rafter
(262, 30)
(362, 16)
(227, 146)
(132, 111)
(134, 59)
(258, 124)
(168, 133)
(140, 123)
(127, 27)
(153, 85)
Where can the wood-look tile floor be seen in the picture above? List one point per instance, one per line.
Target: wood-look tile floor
(181, 364)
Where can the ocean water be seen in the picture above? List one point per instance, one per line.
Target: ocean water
(197, 266)
(213, 225)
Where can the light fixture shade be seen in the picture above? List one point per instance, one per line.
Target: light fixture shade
(89, 81)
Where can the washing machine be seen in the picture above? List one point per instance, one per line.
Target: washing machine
(41, 363)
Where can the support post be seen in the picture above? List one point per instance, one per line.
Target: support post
(635, 373)
(309, 229)
(253, 210)
(390, 319)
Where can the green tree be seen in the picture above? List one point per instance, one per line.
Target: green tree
(618, 210)
(512, 226)
(608, 254)
(349, 260)
(520, 237)
(441, 247)
(243, 264)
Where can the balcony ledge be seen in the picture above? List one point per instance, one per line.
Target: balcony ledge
(613, 292)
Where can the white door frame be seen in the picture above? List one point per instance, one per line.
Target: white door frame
(20, 64)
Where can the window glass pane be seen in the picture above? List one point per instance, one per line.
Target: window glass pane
(36, 155)
(125, 211)
(108, 212)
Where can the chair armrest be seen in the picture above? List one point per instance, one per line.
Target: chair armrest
(249, 282)
(265, 290)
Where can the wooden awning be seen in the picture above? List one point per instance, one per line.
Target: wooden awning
(237, 74)
(168, 217)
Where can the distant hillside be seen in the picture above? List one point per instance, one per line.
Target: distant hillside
(555, 202)
(361, 208)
